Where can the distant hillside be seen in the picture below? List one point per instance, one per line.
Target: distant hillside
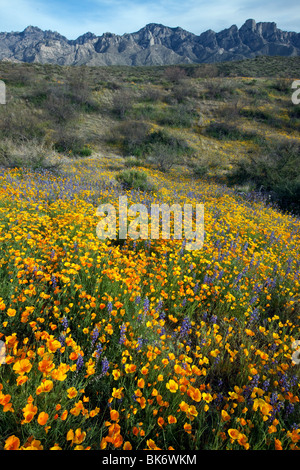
(155, 44)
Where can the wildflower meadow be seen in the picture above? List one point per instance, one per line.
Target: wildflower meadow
(142, 344)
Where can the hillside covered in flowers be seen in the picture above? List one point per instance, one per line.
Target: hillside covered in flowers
(144, 344)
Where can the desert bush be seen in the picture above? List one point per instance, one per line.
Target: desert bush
(275, 171)
(181, 115)
(152, 94)
(219, 89)
(134, 179)
(229, 111)
(165, 150)
(131, 135)
(258, 114)
(122, 103)
(19, 75)
(175, 73)
(281, 84)
(184, 90)
(69, 142)
(294, 112)
(132, 161)
(136, 139)
(206, 71)
(146, 112)
(163, 156)
(79, 89)
(20, 122)
(258, 93)
(31, 154)
(200, 170)
(228, 131)
(59, 105)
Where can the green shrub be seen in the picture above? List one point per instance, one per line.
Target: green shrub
(131, 162)
(228, 131)
(275, 171)
(131, 136)
(122, 103)
(134, 179)
(200, 171)
(257, 114)
(20, 122)
(282, 84)
(177, 116)
(165, 150)
(219, 89)
(67, 141)
(58, 104)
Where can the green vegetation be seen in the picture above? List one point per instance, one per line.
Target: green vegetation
(216, 119)
(134, 179)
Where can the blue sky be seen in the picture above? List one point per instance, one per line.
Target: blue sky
(74, 17)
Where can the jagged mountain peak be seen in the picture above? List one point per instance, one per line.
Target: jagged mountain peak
(153, 44)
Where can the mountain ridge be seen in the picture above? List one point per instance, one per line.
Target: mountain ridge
(154, 44)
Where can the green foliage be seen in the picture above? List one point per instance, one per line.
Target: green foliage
(275, 171)
(200, 171)
(134, 179)
(228, 131)
(181, 115)
(65, 141)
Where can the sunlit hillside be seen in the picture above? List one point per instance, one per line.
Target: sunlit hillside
(144, 344)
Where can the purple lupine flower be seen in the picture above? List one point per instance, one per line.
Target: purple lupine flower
(290, 408)
(254, 316)
(245, 247)
(146, 304)
(99, 350)
(162, 315)
(105, 366)
(95, 334)
(53, 282)
(139, 344)
(255, 380)
(122, 334)
(65, 323)
(253, 300)
(265, 385)
(62, 340)
(196, 287)
(185, 327)
(79, 363)
(109, 307)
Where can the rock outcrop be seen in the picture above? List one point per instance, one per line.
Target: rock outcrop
(155, 44)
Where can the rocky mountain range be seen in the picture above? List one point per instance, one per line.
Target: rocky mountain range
(155, 44)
